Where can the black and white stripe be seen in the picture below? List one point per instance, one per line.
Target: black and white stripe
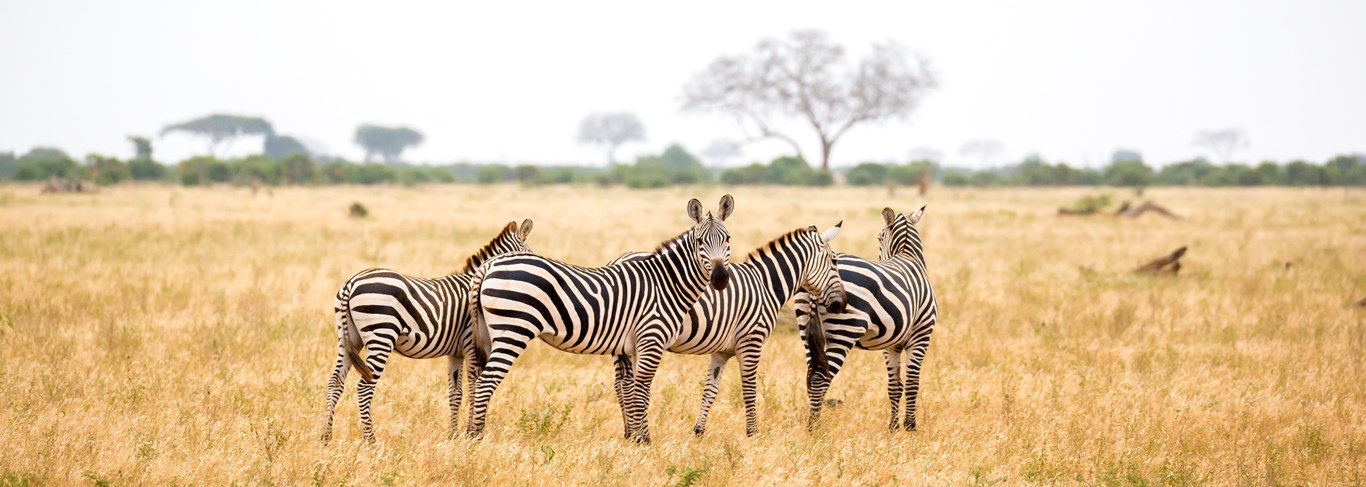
(737, 321)
(633, 309)
(382, 311)
(891, 307)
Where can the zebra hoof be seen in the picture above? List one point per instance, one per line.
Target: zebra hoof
(698, 430)
(326, 437)
(474, 435)
(643, 439)
(910, 425)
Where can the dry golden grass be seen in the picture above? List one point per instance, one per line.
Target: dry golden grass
(153, 335)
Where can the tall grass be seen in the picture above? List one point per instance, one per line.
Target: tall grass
(164, 335)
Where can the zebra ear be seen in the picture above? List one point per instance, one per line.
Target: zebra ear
(525, 230)
(831, 232)
(727, 206)
(888, 216)
(915, 217)
(695, 210)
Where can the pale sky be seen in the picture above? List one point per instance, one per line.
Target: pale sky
(510, 81)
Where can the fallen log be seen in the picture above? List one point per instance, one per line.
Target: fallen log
(1167, 264)
(1127, 211)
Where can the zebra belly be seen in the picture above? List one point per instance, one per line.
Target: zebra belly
(624, 345)
(421, 347)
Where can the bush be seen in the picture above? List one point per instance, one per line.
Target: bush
(867, 174)
(1131, 173)
(108, 170)
(42, 163)
(146, 170)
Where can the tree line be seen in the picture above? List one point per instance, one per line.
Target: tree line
(674, 166)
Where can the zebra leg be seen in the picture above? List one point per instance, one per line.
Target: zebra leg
(506, 349)
(749, 373)
(914, 359)
(622, 385)
(336, 385)
(454, 364)
(376, 355)
(718, 362)
(893, 359)
(648, 354)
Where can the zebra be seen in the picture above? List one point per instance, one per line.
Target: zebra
(633, 309)
(737, 321)
(891, 307)
(383, 311)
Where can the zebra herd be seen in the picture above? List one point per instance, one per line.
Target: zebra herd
(684, 297)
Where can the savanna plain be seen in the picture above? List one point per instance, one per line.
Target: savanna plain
(165, 335)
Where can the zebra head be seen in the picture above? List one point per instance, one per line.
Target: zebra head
(900, 236)
(713, 240)
(821, 277)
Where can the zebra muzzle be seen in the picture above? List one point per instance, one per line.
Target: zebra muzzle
(720, 276)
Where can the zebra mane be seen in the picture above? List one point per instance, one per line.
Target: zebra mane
(500, 244)
(764, 249)
(668, 244)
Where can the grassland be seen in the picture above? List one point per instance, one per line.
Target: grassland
(155, 335)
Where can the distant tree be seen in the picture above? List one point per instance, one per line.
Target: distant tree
(146, 170)
(8, 165)
(1346, 170)
(611, 129)
(722, 150)
(530, 174)
(1223, 143)
(1127, 169)
(806, 76)
(222, 129)
(781, 171)
(142, 147)
(388, 142)
(279, 146)
(983, 150)
(41, 163)
(107, 170)
(867, 174)
(297, 168)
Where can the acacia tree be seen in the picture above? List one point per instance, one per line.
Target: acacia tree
(388, 142)
(221, 129)
(611, 129)
(279, 146)
(807, 77)
(1223, 143)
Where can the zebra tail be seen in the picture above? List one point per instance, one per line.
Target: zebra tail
(482, 342)
(353, 342)
(815, 342)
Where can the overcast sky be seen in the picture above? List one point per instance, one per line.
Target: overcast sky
(509, 81)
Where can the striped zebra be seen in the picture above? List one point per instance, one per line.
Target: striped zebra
(382, 311)
(737, 321)
(633, 309)
(890, 308)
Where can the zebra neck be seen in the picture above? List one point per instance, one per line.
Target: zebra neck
(678, 269)
(780, 265)
(910, 247)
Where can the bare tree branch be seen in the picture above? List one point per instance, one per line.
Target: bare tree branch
(805, 76)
